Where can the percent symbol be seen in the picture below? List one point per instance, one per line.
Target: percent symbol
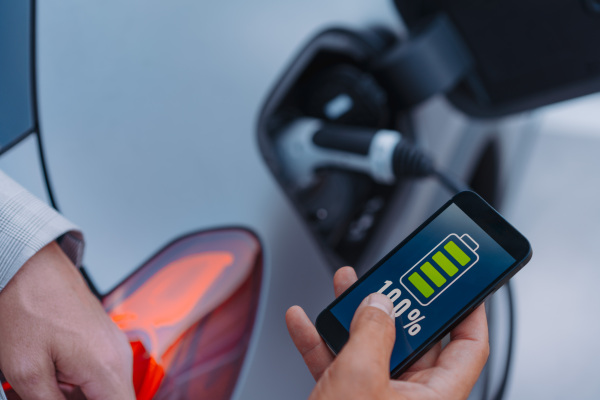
(413, 327)
(414, 322)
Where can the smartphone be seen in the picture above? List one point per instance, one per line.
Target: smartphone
(439, 274)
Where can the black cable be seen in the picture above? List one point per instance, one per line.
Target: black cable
(450, 183)
(487, 371)
(410, 161)
(407, 161)
(456, 187)
(511, 335)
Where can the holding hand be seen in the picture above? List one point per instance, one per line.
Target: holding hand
(56, 336)
(361, 369)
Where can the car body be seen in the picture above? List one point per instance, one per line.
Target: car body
(149, 115)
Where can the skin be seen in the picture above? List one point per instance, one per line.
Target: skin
(361, 369)
(57, 341)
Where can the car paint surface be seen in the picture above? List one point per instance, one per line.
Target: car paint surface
(149, 110)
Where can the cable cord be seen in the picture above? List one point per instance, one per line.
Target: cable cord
(450, 183)
(410, 161)
(456, 187)
(487, 370)
(499, 395)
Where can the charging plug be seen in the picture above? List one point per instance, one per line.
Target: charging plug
(309, 144)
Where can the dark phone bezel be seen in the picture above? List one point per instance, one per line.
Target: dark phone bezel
(511, 240)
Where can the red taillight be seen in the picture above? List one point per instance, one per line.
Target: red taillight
(147, 373)
(172, 299)
(188, 313)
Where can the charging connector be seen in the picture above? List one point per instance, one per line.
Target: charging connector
(309, 144)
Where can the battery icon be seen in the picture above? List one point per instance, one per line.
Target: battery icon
(440, 268)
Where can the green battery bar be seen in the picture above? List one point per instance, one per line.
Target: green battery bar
(440, 268)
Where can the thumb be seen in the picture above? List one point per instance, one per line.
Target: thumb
(372, 337)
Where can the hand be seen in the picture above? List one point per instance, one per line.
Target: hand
(361, 369)
(55, 334)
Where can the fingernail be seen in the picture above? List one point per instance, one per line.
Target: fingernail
(382, 302)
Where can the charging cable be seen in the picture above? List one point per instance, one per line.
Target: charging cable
(309, 144)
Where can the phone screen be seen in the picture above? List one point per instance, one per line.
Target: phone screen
(430, 279)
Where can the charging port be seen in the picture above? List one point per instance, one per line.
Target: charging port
(330, 81)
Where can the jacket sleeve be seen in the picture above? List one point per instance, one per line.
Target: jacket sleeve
(27, 224)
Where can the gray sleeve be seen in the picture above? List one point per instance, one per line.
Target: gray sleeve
(27, 224)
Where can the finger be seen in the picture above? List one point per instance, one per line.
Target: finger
(105, 371)
(35, 380)
(428, 360)
(313, 349)
(465, 356)
(343, 279)
(372, 335)
(473, 328)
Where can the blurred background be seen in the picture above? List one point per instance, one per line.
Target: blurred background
(162, 118)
